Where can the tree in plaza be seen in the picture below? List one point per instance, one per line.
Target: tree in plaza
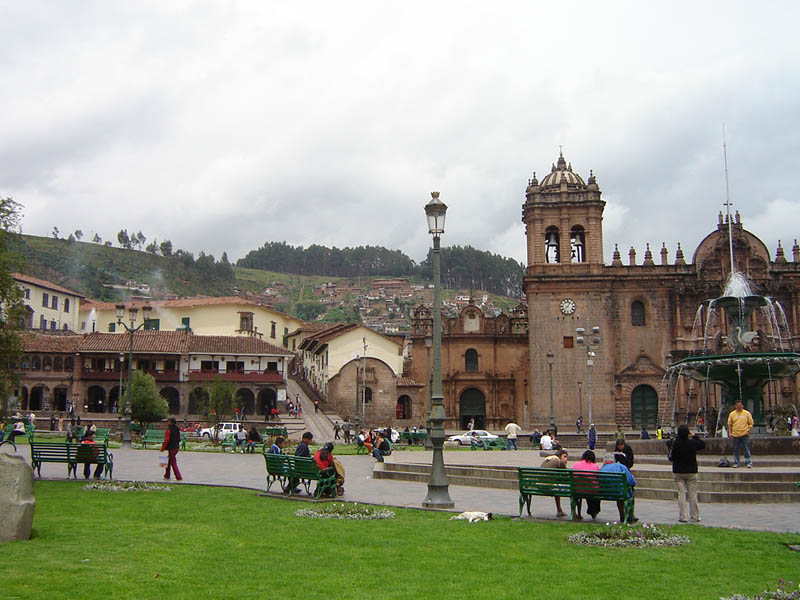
(147, 405)
(12, 313)
(220, 400)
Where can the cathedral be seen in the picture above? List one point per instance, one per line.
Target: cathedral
(595, 339)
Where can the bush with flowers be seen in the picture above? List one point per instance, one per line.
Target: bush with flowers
(785, 591)
(127, 486)
(341, 510)
(620, 535)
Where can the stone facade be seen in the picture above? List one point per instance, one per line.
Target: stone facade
(644, 312)
(389, 400)
(484, 365)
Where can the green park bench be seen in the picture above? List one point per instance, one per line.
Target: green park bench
(575, 485)
(10, 427)
(286, 468)
(156, 436)
(229, 441)
(102, 433)
(413, 437)
(72, 455)
(274, 432)
(488, 443)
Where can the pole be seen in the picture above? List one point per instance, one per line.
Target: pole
(126, 431)
(552, 411)
(590, 364)
(364, 381)
(580, 400)
(438, 494)
(356, 421)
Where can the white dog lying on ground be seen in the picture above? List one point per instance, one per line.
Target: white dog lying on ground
(472, 516)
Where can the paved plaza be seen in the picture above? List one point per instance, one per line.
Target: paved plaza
(248, 471)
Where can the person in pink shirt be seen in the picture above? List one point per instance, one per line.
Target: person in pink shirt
(587, 463)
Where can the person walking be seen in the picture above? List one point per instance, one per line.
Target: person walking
(740, 422)
(316, 405)
(336, 429)
(512, 429)
(683, 455)
(592, 435)
(579, 425)
(172, 442)
(346, 430)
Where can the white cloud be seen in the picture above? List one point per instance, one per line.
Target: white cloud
(224, 125)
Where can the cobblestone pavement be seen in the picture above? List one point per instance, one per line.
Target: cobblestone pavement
(248, 471)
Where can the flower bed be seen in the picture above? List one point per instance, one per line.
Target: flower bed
(619, 535)
(127, 486)
(345, 511)
(784, 592)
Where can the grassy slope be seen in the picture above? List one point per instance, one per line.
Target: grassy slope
(197, 542)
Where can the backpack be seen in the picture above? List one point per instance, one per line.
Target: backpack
(724, 462)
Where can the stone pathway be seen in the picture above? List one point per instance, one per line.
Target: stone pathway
(248, 471)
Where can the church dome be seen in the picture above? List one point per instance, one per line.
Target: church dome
(562, 173)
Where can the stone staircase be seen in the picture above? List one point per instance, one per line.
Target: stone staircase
(723, 486)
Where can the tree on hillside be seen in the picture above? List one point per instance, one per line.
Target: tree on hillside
(343, 314)
(124, 239)
(78, 234)
(166, 248)
(55, 232)
(308, 310)
(12, 310)
(97, 239)
(152, 247)
(147, 406)
(139, 239)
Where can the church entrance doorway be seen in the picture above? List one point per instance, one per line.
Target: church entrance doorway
(472, 407)
(644, 407)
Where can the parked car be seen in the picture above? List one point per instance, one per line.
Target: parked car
(467, 437)
(219, 431)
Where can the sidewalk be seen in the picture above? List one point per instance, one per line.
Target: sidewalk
(248, 471)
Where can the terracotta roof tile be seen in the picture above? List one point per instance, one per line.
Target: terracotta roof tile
(172, 342)
(45, 284)
(50, 342)
(221, 344)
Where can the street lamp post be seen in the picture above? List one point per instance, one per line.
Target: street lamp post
(438, 494)
(580, 400)
(364, 381)
(591, 344)
(552, 413)
(132, 312)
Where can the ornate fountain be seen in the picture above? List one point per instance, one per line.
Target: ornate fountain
(744, 344)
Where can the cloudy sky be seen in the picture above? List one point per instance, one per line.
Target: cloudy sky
(224, 125)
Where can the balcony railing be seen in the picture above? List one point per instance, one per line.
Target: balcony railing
(252, 376)
(113, 374)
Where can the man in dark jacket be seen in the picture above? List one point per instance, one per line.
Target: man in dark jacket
(683, 454)
(624, 453)
(302, 450)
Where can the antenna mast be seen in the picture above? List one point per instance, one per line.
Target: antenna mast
(727, 197)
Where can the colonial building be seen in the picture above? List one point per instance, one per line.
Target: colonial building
(599, 335)
(632, 318)
(208, 316)
(484, 365)
(358, 372)
(47, 305)
(87, 372)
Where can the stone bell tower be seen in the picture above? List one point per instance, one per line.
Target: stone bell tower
(563, 222)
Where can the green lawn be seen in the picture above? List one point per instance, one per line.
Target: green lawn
(198, 542)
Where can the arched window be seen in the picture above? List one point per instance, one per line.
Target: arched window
(66, 305)
(47, 363)
(637, 314)
(58, 363)
(368, 395)
(36, 364)
(577, 244)
(26, 362)
(68, 363)
(551, 245)
(471, 361)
